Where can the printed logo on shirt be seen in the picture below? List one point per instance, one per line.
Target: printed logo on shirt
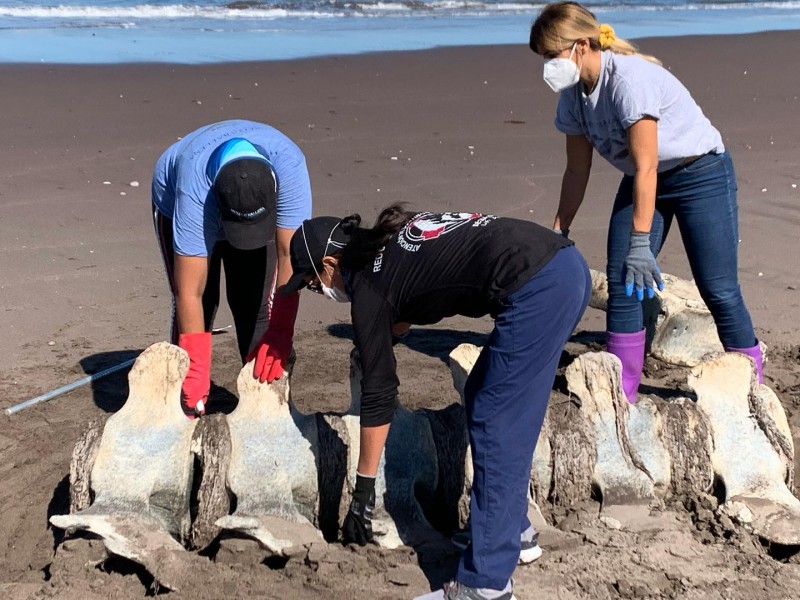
(378, 263)
(430, 226)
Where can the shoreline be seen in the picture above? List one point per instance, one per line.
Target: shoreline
(197, 42)
(368, 53)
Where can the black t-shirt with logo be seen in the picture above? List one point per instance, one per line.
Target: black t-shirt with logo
(437, 266)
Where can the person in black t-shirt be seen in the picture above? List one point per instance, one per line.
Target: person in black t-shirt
(416, 269)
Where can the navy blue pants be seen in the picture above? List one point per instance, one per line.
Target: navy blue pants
(506, 397)
(701, 196)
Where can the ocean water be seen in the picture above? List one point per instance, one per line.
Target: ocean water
(112, 31)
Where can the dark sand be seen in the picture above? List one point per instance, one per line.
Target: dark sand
(450, 129)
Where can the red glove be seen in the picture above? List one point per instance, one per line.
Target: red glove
(275, 346)
(198, 380)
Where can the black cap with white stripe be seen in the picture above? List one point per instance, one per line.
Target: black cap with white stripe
(317, 238)
(246, 193)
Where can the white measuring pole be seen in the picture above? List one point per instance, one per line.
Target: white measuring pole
(69, 387)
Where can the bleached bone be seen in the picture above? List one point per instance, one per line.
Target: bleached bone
(599, 444)
(769, 413)
(407, 475)
(141, 474)
(211, 445)
(462, 359)
(645, 428)
(564, 458)
(80, 466)
(752, 469)
(654, 448)
(675, 443)
(620, 473)
(680, 325)
(273, 466)
(142, 541)
(542, 466)
(599, 298)
(573, 454)
(285, 467)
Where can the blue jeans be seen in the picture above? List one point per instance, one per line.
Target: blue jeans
(702, 198)
(506, 397)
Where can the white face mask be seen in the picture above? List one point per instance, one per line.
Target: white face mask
(562, 73)
(334, 293)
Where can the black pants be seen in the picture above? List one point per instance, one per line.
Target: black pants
(249, 284)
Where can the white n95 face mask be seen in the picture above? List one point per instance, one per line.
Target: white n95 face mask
(561, 73)
(334, 293)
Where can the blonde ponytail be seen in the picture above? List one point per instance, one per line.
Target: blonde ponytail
(608, 40)
(561, 24)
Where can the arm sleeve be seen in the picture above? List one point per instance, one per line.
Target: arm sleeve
(372, 327)
(163, 185)
(634, 102)
(566, 120)
(191, 228)
(294, 190)
(158, 186)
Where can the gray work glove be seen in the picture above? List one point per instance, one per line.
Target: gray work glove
(562, 232)
(641, 268)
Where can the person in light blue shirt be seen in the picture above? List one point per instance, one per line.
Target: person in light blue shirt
(640, 118)
(230, 195)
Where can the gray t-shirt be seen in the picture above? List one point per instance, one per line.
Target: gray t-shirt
(629, 89)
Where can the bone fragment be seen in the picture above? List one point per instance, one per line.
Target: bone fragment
(142, 471)
(620, 473)
(753, 472)
(407, 475)
(273, 465)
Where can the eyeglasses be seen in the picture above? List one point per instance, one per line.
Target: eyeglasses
(315, 285)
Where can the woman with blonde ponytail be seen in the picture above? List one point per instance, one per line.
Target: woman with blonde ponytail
(641, 119)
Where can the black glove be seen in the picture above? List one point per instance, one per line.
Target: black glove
(357, 527)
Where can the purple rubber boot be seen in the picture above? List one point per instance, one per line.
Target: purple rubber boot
(629, 349)
(753, 352)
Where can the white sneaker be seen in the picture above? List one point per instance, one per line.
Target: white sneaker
(454, 590)
(529, 549)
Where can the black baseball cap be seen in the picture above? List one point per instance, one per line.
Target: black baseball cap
(246, 192)
(315, 239)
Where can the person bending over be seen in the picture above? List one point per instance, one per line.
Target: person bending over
(230, 195)
(418, 268)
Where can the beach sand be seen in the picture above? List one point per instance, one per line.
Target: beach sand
(448, 129)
